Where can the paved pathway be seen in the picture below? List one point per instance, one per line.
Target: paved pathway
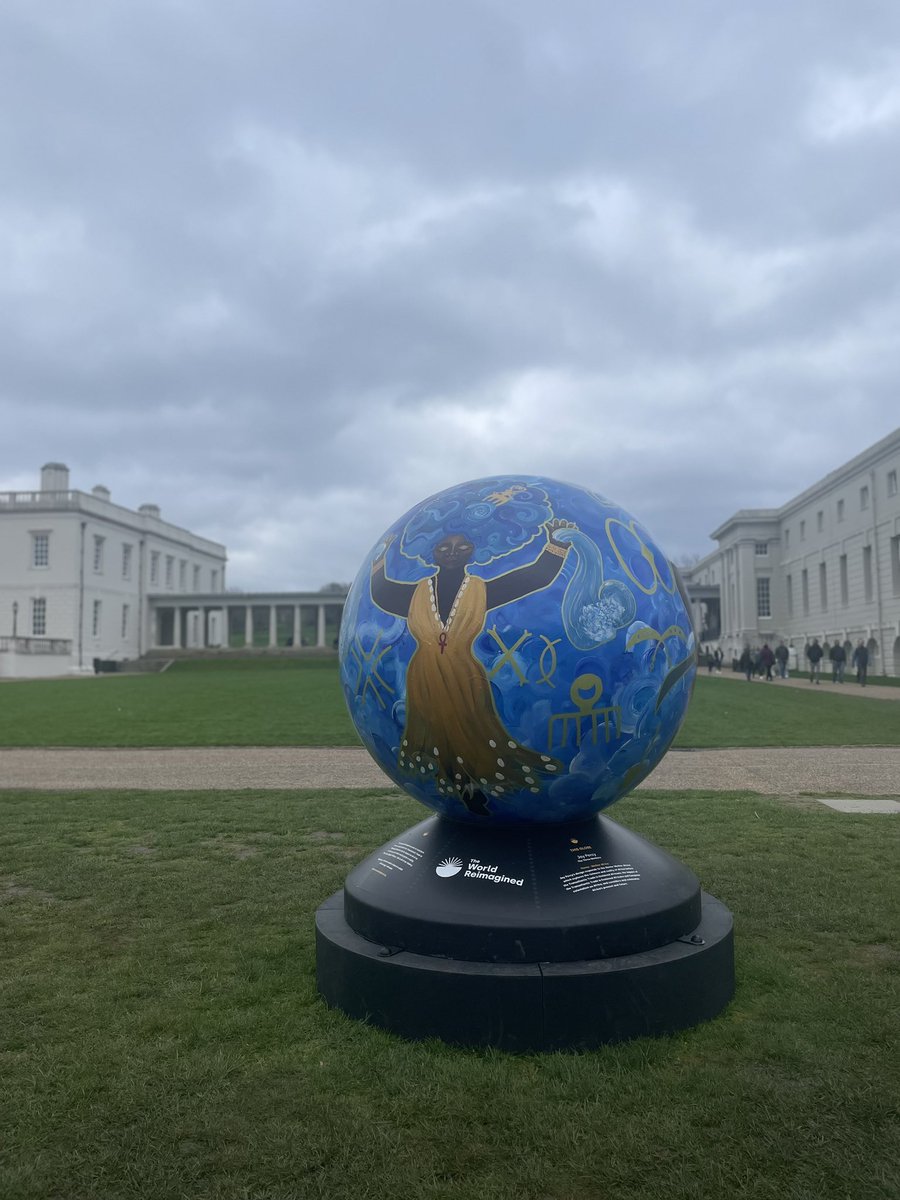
(850, 687)
(852, 770)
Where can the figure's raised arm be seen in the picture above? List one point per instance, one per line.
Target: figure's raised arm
(535, 575)
(389, 594)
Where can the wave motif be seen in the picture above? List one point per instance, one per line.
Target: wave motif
(593, 611)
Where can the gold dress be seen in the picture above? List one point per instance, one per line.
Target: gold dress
(453, 732)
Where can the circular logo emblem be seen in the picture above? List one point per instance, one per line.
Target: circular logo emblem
(450, 866)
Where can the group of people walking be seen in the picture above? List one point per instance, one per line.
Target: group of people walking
(759, 663)
(837, 656)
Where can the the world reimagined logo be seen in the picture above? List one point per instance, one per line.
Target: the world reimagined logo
(449, 866)
(476, 869)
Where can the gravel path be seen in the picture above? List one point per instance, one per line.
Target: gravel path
(851, 770)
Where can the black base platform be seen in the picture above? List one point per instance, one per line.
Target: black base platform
(564, 937)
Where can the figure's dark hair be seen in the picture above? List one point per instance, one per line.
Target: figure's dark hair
(497, 515)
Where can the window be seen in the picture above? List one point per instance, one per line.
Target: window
(98, 553)
(39, 617)
(845, 584)
(95, 621)
(820, 520)
(867, 572)
(214, 581)
(840, 510)
(154, 566)
(864, 496)
(761, 549)
(823, 586)
(170, 570)
(196, 578)
(40, 549)
(790, 596)
(804, 590)
(124, 620)
(895, 563)
(892, 483)
(802, 531)
(763, 598)
(182, 575)
(126, 560)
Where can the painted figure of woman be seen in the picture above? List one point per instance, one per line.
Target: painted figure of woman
(453, 732)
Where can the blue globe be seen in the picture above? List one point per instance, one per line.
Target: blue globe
(516, 650)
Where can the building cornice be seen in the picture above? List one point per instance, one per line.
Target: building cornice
(74, 501)
(867, 460)
(242, 599)
(748, 516)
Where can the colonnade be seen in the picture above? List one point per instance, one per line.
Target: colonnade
(185, 624)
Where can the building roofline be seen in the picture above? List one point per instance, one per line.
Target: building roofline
(869, 457)
(866, 458)
(745, 516)
(74, 500)
(237, 599)
(687, 573)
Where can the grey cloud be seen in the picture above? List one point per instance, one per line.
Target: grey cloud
(267, 265)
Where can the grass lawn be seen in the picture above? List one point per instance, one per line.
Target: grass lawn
(735, 713)
(283, 702)
(162, 1036)
(245, 702)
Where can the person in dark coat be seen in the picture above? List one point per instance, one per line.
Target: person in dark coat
(814, 654)
(860, 660)
(781, 658)
(745, 662)
(838, 656)
(766, 659)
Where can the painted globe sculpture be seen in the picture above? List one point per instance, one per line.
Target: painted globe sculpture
(517, 651)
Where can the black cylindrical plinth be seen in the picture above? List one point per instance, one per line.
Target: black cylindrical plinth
(553, 893)
(559, 937)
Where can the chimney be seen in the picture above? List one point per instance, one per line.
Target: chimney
(101, 492)
(54, 477)
(149, 510)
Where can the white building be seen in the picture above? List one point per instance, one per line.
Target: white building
(77, 572)
(825, 565)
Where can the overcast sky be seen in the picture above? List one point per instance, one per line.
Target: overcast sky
(285, 269)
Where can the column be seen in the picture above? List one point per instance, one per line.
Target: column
(320, 630)
(177, 639)
(248, 625)
(225, 639)
(296, 625)
(273, 626)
